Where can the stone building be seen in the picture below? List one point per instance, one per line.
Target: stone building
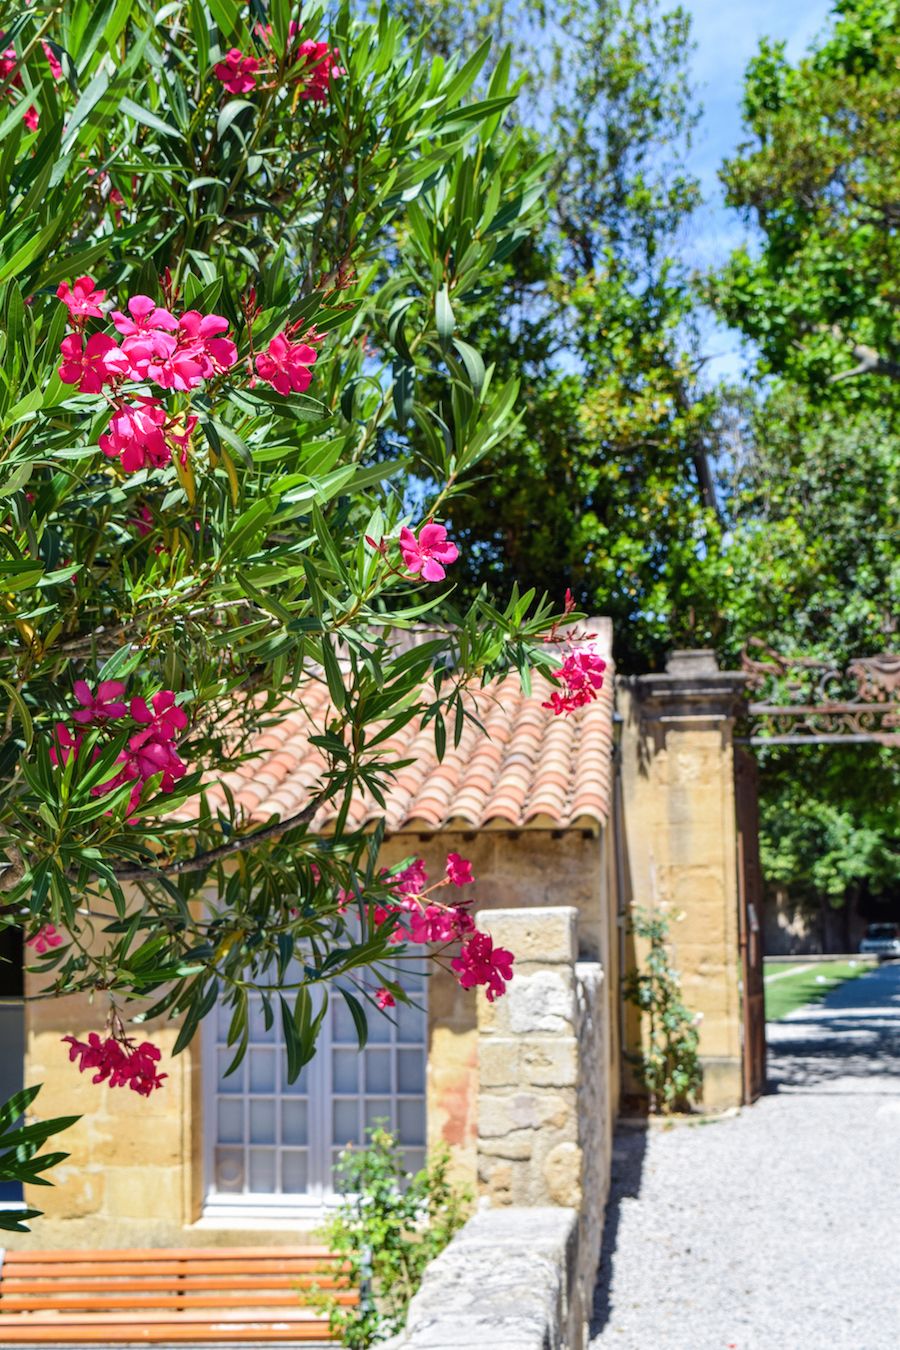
(213, 1159)
(567, 821)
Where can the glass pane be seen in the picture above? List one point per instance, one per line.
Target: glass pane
(258, 1025)
(300, 1086)
(224, 1014)
(413, 1159)
(236, 1082)
(294, 1128)
(345, 1070)
(262, 1121)
(345, 1117)
(380, 1028)
(231, 1122)
(294, 1173)
(378, 1070)
(411, 1122)
(410, 1024)
(229, 1169)
(378, 1112)
(262, 1070)
(262, 1171)
(343, 1027)
(410, 1071)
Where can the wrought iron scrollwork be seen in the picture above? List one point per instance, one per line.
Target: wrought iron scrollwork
(803, 700)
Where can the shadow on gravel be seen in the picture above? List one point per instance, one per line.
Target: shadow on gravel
(853, 1034)
(629, 1148)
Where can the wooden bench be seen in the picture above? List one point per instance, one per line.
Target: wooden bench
(166, 1296)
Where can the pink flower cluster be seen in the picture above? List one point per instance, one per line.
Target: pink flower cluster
(150, 749)
(174, 352)
(581, 675)
(9, 70)
(119, 1062)
(45, 939)
(420, 917)
(312, 65)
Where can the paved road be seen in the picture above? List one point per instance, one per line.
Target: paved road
(778, 1229)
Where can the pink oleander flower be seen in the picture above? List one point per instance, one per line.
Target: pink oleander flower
(92, 365)
(581, 676)
(285, 365)
(44, 939)
(103, 706)
(32, 118)
(459, 871)
(152, 756)
(165, 720)
(237, 72)
(412, 880)
(120, 1063)
(440, 923)
(169, 363)
(320, 67)
(384, 999)
(429, 552)
(144, 317)
(142, 522)
(84, 301)
(8, 64)
(480, 962)
(200, 334)
(137, 436)
(56, 69)
(64, 744)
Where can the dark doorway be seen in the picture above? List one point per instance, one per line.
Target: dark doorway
(12, 1029)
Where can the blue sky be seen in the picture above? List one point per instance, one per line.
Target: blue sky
(727, 33)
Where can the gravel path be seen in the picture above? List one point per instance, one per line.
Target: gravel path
(778, 1229)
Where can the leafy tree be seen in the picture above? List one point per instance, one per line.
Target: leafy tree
(813, 500)
(202, 491)
(605, 485)
(818, 177)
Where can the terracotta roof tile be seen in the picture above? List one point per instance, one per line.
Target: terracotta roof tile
(527, 766)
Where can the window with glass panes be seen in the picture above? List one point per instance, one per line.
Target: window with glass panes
(274, 1143)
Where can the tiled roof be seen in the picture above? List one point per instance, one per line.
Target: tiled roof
(527, 769)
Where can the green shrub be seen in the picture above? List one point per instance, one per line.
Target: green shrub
(668, 1066)
(388, 1227)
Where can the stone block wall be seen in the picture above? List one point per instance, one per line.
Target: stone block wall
(544, 1106)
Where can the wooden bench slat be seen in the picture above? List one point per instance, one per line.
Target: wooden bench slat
(133, 1284)
(171, 1253)
(168, 1334)
(175, 1268)
(65, 1303)
(45, 1317)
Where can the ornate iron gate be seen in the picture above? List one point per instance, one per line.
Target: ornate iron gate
(750, 925)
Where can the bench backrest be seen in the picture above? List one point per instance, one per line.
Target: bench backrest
(165, 1295)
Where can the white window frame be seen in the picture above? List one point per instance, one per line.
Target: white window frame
(311, 1207)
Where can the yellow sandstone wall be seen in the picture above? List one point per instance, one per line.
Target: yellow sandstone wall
(680, 838)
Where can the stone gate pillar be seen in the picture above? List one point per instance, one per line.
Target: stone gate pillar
(679, 841)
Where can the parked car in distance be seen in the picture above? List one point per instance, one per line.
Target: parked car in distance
(881, 940)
